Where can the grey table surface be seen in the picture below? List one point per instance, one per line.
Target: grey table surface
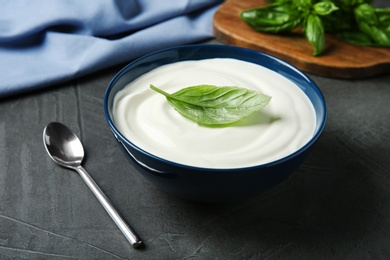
(335, 206)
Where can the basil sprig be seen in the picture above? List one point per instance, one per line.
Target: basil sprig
(214, 105)
(354, 21)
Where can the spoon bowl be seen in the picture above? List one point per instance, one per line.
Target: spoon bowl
(66, 149)
(62, 145)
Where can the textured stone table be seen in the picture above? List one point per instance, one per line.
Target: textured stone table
(336, 205)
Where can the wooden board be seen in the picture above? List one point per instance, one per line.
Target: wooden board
(340, 59)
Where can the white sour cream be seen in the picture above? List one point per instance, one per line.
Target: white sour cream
(149, 122)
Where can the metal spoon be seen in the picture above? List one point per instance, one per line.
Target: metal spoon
(66, 149)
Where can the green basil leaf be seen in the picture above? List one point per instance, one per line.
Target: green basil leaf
(213, 105)
(272, 18)
(315, 34)
(303, 5)
(354, 21)
(366, 13)
(369, 24)
(383, 15)
(302, 2)
(324, 8)
(357, 38)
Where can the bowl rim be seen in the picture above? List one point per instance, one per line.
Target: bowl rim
(120, 137)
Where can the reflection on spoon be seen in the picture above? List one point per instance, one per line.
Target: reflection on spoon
(65, 148)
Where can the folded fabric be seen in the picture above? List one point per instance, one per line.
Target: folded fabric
(46, 42)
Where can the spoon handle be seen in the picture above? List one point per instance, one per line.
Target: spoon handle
(126, 230)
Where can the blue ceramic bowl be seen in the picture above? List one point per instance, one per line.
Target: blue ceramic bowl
(203, 184)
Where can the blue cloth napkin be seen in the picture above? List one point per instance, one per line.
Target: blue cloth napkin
(46, 42)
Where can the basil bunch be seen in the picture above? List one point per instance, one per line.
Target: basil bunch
(215, 106)
(354, 21)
